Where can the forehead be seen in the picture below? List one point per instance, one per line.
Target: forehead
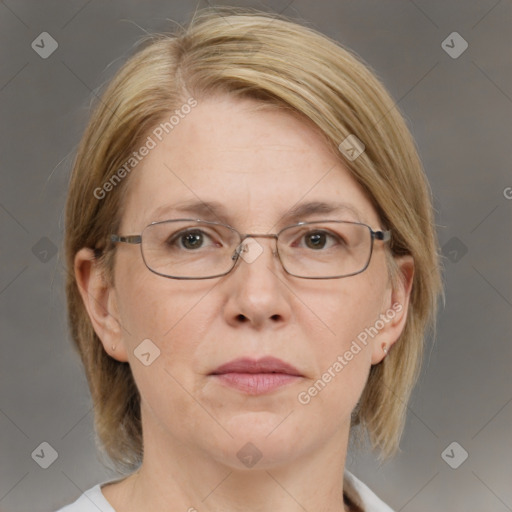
(255, 164)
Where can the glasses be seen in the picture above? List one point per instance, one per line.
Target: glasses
(199, 249)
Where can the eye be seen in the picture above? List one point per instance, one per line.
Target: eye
(190, 239)
(316, 239)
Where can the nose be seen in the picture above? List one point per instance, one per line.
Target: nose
(256, 292)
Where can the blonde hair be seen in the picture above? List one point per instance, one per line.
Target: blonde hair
(249, 54)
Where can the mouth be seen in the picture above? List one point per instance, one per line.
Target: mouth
(256, 377)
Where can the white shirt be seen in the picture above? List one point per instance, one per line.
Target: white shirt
(94, 501)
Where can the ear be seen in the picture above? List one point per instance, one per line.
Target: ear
(394, 310)
(100, 301)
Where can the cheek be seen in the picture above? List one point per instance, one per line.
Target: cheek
(167, 320)
(151, 306)
(174, 315)
(343, 351)
(347, 308)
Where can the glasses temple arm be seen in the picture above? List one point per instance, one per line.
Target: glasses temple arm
(385, 236)
(130, 239)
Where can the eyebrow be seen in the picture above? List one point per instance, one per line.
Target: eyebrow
(214, 210)
(321, 207)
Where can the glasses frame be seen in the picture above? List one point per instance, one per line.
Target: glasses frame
(380, 235)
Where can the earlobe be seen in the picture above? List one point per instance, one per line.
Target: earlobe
(100, 302)
(396, 306)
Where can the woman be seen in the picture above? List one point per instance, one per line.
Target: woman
(253, 265)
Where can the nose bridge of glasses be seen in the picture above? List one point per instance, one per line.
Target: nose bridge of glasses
(259, 235)
(249, 249)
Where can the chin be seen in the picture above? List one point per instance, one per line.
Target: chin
(262, 440)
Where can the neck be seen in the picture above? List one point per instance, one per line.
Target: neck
(189, 480)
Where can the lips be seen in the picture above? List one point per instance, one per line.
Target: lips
(252, 366)
(256, 377)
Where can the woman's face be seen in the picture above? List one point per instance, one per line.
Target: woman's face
(258, 165)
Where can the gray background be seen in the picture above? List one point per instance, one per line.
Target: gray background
(459, 110)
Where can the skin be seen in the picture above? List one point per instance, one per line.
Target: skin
(259, 164)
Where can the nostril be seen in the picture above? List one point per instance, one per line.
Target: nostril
(241, 317)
